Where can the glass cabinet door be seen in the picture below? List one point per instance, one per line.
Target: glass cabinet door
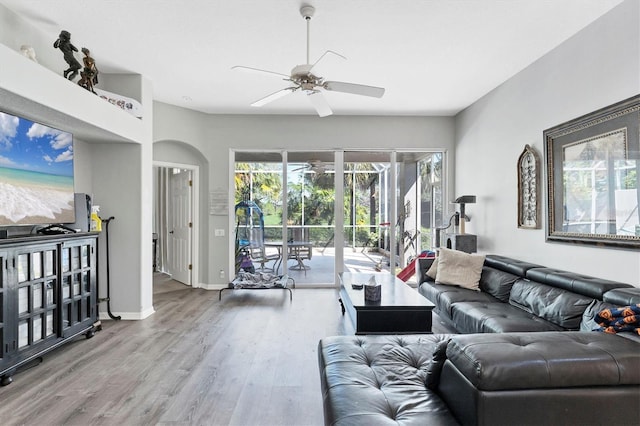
(78, 286)
(36, 273)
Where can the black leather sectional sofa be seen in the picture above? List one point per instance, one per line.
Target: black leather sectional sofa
(522, 358)
(518, 296)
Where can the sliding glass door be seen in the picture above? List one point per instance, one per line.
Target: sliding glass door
(420, 205)
(258, 206)
(367, 211)
(311, 216)
(393, 201)
(385, 205)
(295, 193)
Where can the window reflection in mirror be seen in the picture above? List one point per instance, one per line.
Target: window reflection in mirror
(600, 186)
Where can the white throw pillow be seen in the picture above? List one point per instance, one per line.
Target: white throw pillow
(459, 268)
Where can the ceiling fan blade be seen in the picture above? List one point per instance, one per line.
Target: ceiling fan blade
(258, 70)
(356, 89)
(325, 54)
(272, 97)
(320, 104)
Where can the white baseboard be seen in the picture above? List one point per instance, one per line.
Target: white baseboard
(213, 286)
(103, 316)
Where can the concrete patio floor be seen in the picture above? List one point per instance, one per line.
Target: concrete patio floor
(321, 269)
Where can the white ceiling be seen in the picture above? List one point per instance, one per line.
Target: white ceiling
(434, 57)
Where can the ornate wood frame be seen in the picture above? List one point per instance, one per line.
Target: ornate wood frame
(528, 189)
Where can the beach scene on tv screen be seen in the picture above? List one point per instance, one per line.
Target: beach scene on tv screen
(36, 173)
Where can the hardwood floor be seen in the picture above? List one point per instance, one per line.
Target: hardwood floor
(250, 359)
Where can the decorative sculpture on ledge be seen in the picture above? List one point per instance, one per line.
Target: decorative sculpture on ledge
(64, 44)
(29, 52)
(89, 74)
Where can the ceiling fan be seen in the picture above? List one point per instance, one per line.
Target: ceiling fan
(316, 166)
(302, 79)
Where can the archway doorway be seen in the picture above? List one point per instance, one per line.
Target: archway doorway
(175, 221)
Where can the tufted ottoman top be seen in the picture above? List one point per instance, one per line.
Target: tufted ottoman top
(378, 380)
(545, 360)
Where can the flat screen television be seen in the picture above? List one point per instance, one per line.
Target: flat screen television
(36, 173)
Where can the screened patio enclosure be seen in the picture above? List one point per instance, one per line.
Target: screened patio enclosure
(356, 210)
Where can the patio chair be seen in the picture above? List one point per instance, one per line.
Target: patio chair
(259, 255)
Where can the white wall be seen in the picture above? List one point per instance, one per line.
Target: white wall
(597, 67)
(215, 135)
(15, 32)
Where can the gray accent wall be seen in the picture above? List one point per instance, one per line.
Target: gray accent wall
(596, 67)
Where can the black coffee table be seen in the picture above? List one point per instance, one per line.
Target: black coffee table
(401, 309)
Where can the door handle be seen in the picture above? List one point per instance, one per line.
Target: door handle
(171, 232)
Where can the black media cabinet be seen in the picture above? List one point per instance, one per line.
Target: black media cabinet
(48, 295)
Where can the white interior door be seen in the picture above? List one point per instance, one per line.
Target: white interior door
(180, 225)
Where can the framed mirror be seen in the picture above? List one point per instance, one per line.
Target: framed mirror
(592, 165)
